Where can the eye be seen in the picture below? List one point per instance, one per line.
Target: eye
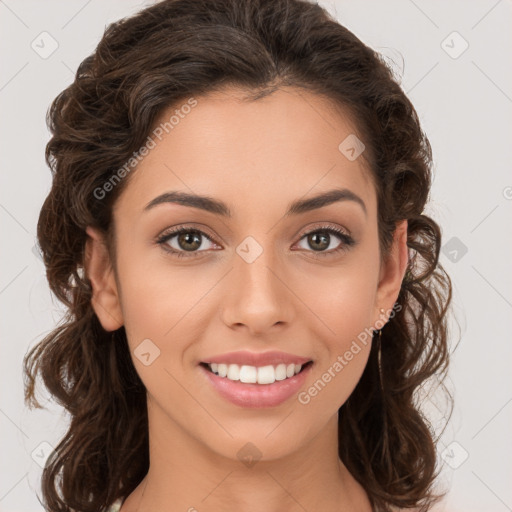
(321, 239)
(188, 240)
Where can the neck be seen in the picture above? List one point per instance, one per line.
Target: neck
(186, 475)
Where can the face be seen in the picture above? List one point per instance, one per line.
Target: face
(248, 275)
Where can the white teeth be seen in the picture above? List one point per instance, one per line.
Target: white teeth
(233, 372)
(248, 374)
(266, 375)
(281, 372)
(252, 374)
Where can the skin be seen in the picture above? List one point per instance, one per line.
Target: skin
(257, 157)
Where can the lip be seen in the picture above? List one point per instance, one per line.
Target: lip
(244, 357)
(256, 395)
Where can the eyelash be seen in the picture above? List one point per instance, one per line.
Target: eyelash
(347, 240)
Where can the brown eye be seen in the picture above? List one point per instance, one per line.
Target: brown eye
(320, 240)
(189, 241)
(184, 240)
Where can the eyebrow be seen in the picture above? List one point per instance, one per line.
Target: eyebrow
(220, 208)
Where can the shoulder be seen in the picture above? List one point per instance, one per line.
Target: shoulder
(115, 506)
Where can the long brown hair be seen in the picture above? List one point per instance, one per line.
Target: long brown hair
(176, 49)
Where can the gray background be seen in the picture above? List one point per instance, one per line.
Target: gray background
(464, 99)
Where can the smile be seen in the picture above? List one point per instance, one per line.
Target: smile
(271, 392)
(255, 375)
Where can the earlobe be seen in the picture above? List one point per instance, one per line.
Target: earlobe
(393, 271)
(98, 268)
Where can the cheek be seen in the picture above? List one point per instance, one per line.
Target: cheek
(345, 305)
(156, 297)
(343, 299)
(165, 310)
(344, 351)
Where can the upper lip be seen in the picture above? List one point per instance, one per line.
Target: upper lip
(245, 357)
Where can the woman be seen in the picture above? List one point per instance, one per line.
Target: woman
(254, 294)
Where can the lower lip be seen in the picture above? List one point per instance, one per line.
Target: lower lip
(257, 395)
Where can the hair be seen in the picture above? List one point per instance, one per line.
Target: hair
(156, 58)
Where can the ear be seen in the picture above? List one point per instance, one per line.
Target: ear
(98, 268)
(392, 273)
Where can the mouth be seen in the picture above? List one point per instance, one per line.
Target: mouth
(262, 375)
(256, 386)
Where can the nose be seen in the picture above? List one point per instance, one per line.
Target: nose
(257, 295)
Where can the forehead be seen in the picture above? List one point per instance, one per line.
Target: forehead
(268, 151)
